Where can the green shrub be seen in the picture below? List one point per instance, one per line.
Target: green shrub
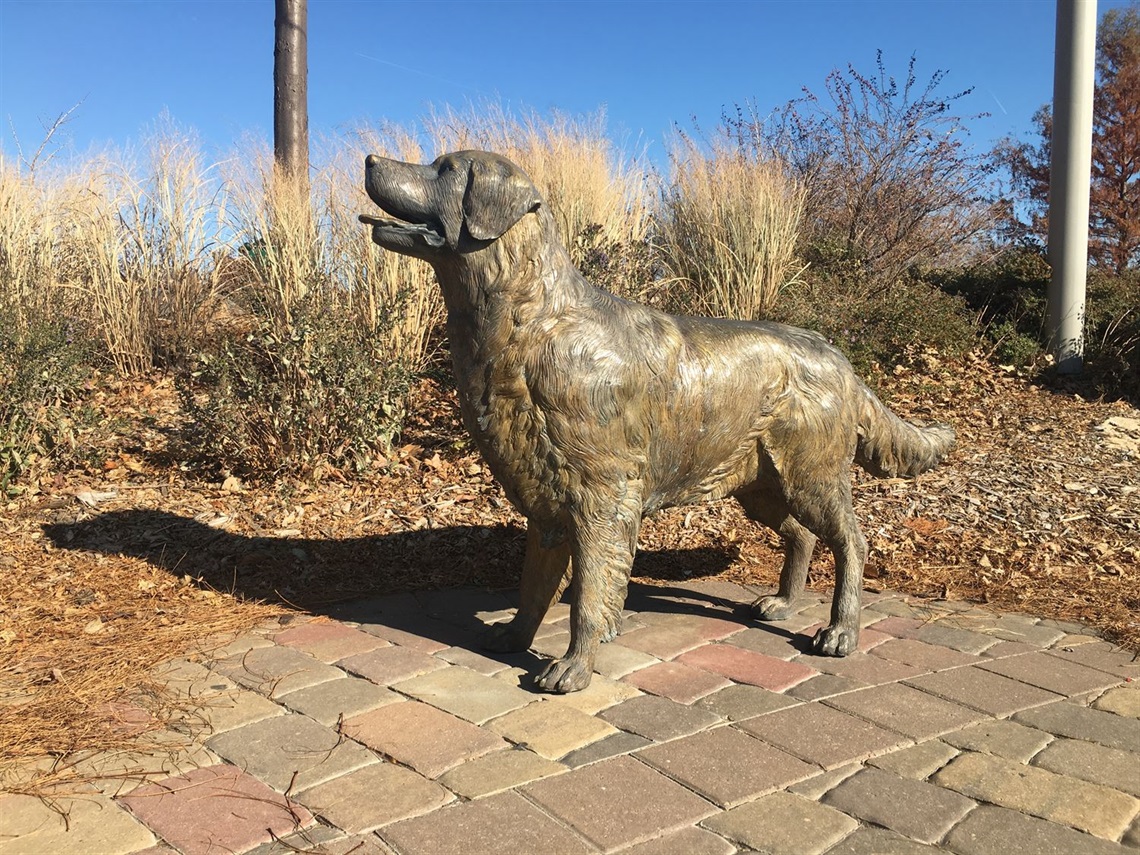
(1112, 334)
(44, 372)
(293, 399)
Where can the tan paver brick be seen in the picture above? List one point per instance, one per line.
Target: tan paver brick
(1003, 738)
(824, 782)
(783, 824)
(550, 729)
(880, 841)
(276, 670)
(1089, 807)
(615, 660)
(658, 718)
(602, 693)
(982, 690)
(87, 823)
(421, 736)
(671, 635)
(374, 796)
(1052, 673)
(506, 824)
(906, 710)
(1091, 762)
(241, 810)
(822, 735)
(990, 830)
(737, 703)
(726, 766)
(328, 702)
(498, 771)
(152, 756)
(618, 802)
(687, 841)
(915, 809)
(465, 693)
(1122, 701)
(471, 659)
(918, 762)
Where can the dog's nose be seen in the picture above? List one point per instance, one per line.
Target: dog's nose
(371, 161)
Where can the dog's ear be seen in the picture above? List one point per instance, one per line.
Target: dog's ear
(498, 195)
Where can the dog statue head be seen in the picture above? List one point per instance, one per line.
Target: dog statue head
(459, 202)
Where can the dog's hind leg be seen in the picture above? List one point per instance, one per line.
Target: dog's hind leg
(825, 508)
(799, 544)
(546, 572)
(603, 550)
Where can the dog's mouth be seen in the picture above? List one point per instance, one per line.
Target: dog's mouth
(398, 234)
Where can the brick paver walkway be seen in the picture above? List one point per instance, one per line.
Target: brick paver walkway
(385, 728)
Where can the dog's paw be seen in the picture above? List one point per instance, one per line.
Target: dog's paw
(835, 641)
(506, 638)
(564, 675)
(772, 608)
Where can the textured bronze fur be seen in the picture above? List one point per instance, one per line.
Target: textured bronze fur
(593, 411)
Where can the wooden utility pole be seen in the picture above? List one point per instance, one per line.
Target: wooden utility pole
(291, 88)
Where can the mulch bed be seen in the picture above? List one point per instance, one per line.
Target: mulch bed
(107, 571)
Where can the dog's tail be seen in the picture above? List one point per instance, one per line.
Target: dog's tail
(889, 447)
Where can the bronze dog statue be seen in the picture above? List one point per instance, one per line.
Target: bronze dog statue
(593, 411)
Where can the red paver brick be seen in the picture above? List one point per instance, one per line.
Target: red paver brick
(657, 718)
(905, 710)
(744, 666)
(1053, 673)
(421, 736)
(387, 665)
(726, 765)
(242, 812)
(677, 681)
(672, 634)
(618, 802)
(505, 824)
(822, 735)
(983, 690)
(415, 641)
(919, 654)
(868, 638)
(328, 641)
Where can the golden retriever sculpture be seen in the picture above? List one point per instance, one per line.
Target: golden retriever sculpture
(593, 411)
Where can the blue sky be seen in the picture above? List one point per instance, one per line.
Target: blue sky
(208, 63)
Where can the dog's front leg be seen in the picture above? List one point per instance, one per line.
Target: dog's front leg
(545, 575)
(603, 553)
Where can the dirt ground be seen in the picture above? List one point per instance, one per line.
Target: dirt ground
(107, 570)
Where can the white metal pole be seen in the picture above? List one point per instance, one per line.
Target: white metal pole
(1069, 176)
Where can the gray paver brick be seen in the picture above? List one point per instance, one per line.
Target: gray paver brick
(1089, 807)
(498, 771)
(658, 718)
(1091, 762)
(374, 796)
(1065, 719)
(84, 824)
(612, 746)
(824, 686)
(919, 654)
(699, 762)
(763, 640)
(914, 809)
(1003, 738)
(1103, 656)
(687, 841)
(1024, 630)
(1050, 672)
(506, 824)
(990, 830)
(465, 693)
(783, 824)
(982, 690)
(739, 702)
(242, 811)
(290, 751)
(421, 736)
(815, 786)
(275, 670)
(328, 702)
(906, 710)
(864, 667)
(550, 729)
(822, 735)
(619, 802)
